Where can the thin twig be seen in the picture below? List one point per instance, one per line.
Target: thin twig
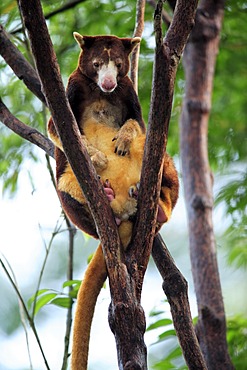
(63, 8)
(22, 315)
(31, 322)
(47, 252)
(140, 13)
(165, 16)
(72, 232)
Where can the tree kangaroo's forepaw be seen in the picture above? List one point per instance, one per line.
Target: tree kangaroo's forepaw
(122, 146)
(134, 190)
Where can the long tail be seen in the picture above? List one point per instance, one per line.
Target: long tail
(95, 277)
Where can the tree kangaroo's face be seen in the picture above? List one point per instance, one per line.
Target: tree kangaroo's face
(105, 59)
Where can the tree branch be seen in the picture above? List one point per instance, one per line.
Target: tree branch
(69, 5)
(175, 288)
(165, 16)
(72, 232)
(140, 13)
(20, 66)
(26, 132)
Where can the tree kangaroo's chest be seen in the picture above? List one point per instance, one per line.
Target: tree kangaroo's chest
(100, 122)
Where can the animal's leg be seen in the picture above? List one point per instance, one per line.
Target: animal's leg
(169, 191)
(111, 196)
(108, 190)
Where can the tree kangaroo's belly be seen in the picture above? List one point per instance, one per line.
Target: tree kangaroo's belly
(123, 172)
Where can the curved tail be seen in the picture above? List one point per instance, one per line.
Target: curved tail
(92, 283)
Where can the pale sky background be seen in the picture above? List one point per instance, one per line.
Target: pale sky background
(22, 245)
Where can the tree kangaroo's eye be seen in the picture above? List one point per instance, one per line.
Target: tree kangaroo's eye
(118, 65)
(96, 64)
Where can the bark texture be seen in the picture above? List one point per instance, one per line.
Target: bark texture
(199, 63)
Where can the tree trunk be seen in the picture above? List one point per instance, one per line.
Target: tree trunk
(199, 63)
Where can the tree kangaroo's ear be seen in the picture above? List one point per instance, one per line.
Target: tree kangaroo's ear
(130, 43)
(83, 41)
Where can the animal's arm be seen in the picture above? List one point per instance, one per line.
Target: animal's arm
(53, 134)
(76, 93)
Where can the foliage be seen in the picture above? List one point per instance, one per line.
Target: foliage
(47, 296)
(174, 358)
(228, 129)
(236, 338)
(234, 197)
(237, 341)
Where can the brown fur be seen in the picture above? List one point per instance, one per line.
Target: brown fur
(113, 132)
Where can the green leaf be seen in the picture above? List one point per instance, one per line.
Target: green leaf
(35, 296)
(44, 300)
(164, 364)
(64, 302)
(160, 323)
(75, 285)
(155, 313)
(177, 352)
(167, 334)
(69, 283)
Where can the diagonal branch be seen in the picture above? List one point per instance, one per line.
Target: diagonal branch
(30, 320)
(70, 5)
(25, 131)
(20, 66)
(175, 288)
